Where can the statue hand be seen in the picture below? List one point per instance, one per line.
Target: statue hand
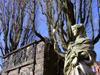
(75, 60)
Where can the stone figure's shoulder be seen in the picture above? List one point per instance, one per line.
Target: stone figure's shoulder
(83, 40)
(87, 40)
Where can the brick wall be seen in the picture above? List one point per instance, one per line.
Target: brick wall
(36, 58)
(96, 67)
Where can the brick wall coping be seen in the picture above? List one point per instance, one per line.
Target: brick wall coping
(21, 48)
(20, 65)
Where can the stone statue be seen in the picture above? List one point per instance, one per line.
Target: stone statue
(80, 55)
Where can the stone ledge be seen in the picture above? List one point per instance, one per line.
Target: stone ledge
(21, 65)
(21, 48)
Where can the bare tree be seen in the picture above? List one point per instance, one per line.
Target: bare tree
(62, 14)
(15, 24)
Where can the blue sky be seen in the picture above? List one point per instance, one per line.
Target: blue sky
(97, 50)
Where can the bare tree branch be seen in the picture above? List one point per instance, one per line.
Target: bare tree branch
(1, 66)
(98, 36)
(33, 24)
(2, 51)
(13, 19)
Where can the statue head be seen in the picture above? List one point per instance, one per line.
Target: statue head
(78, 29)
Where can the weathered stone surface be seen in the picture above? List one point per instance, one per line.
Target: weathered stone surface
(26, 70)
(14, 72)
(19, 57)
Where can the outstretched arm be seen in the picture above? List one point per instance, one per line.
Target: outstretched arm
(56, 47)
(57, 50)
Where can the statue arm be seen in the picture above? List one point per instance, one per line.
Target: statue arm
(56, 47)
(57, 50)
